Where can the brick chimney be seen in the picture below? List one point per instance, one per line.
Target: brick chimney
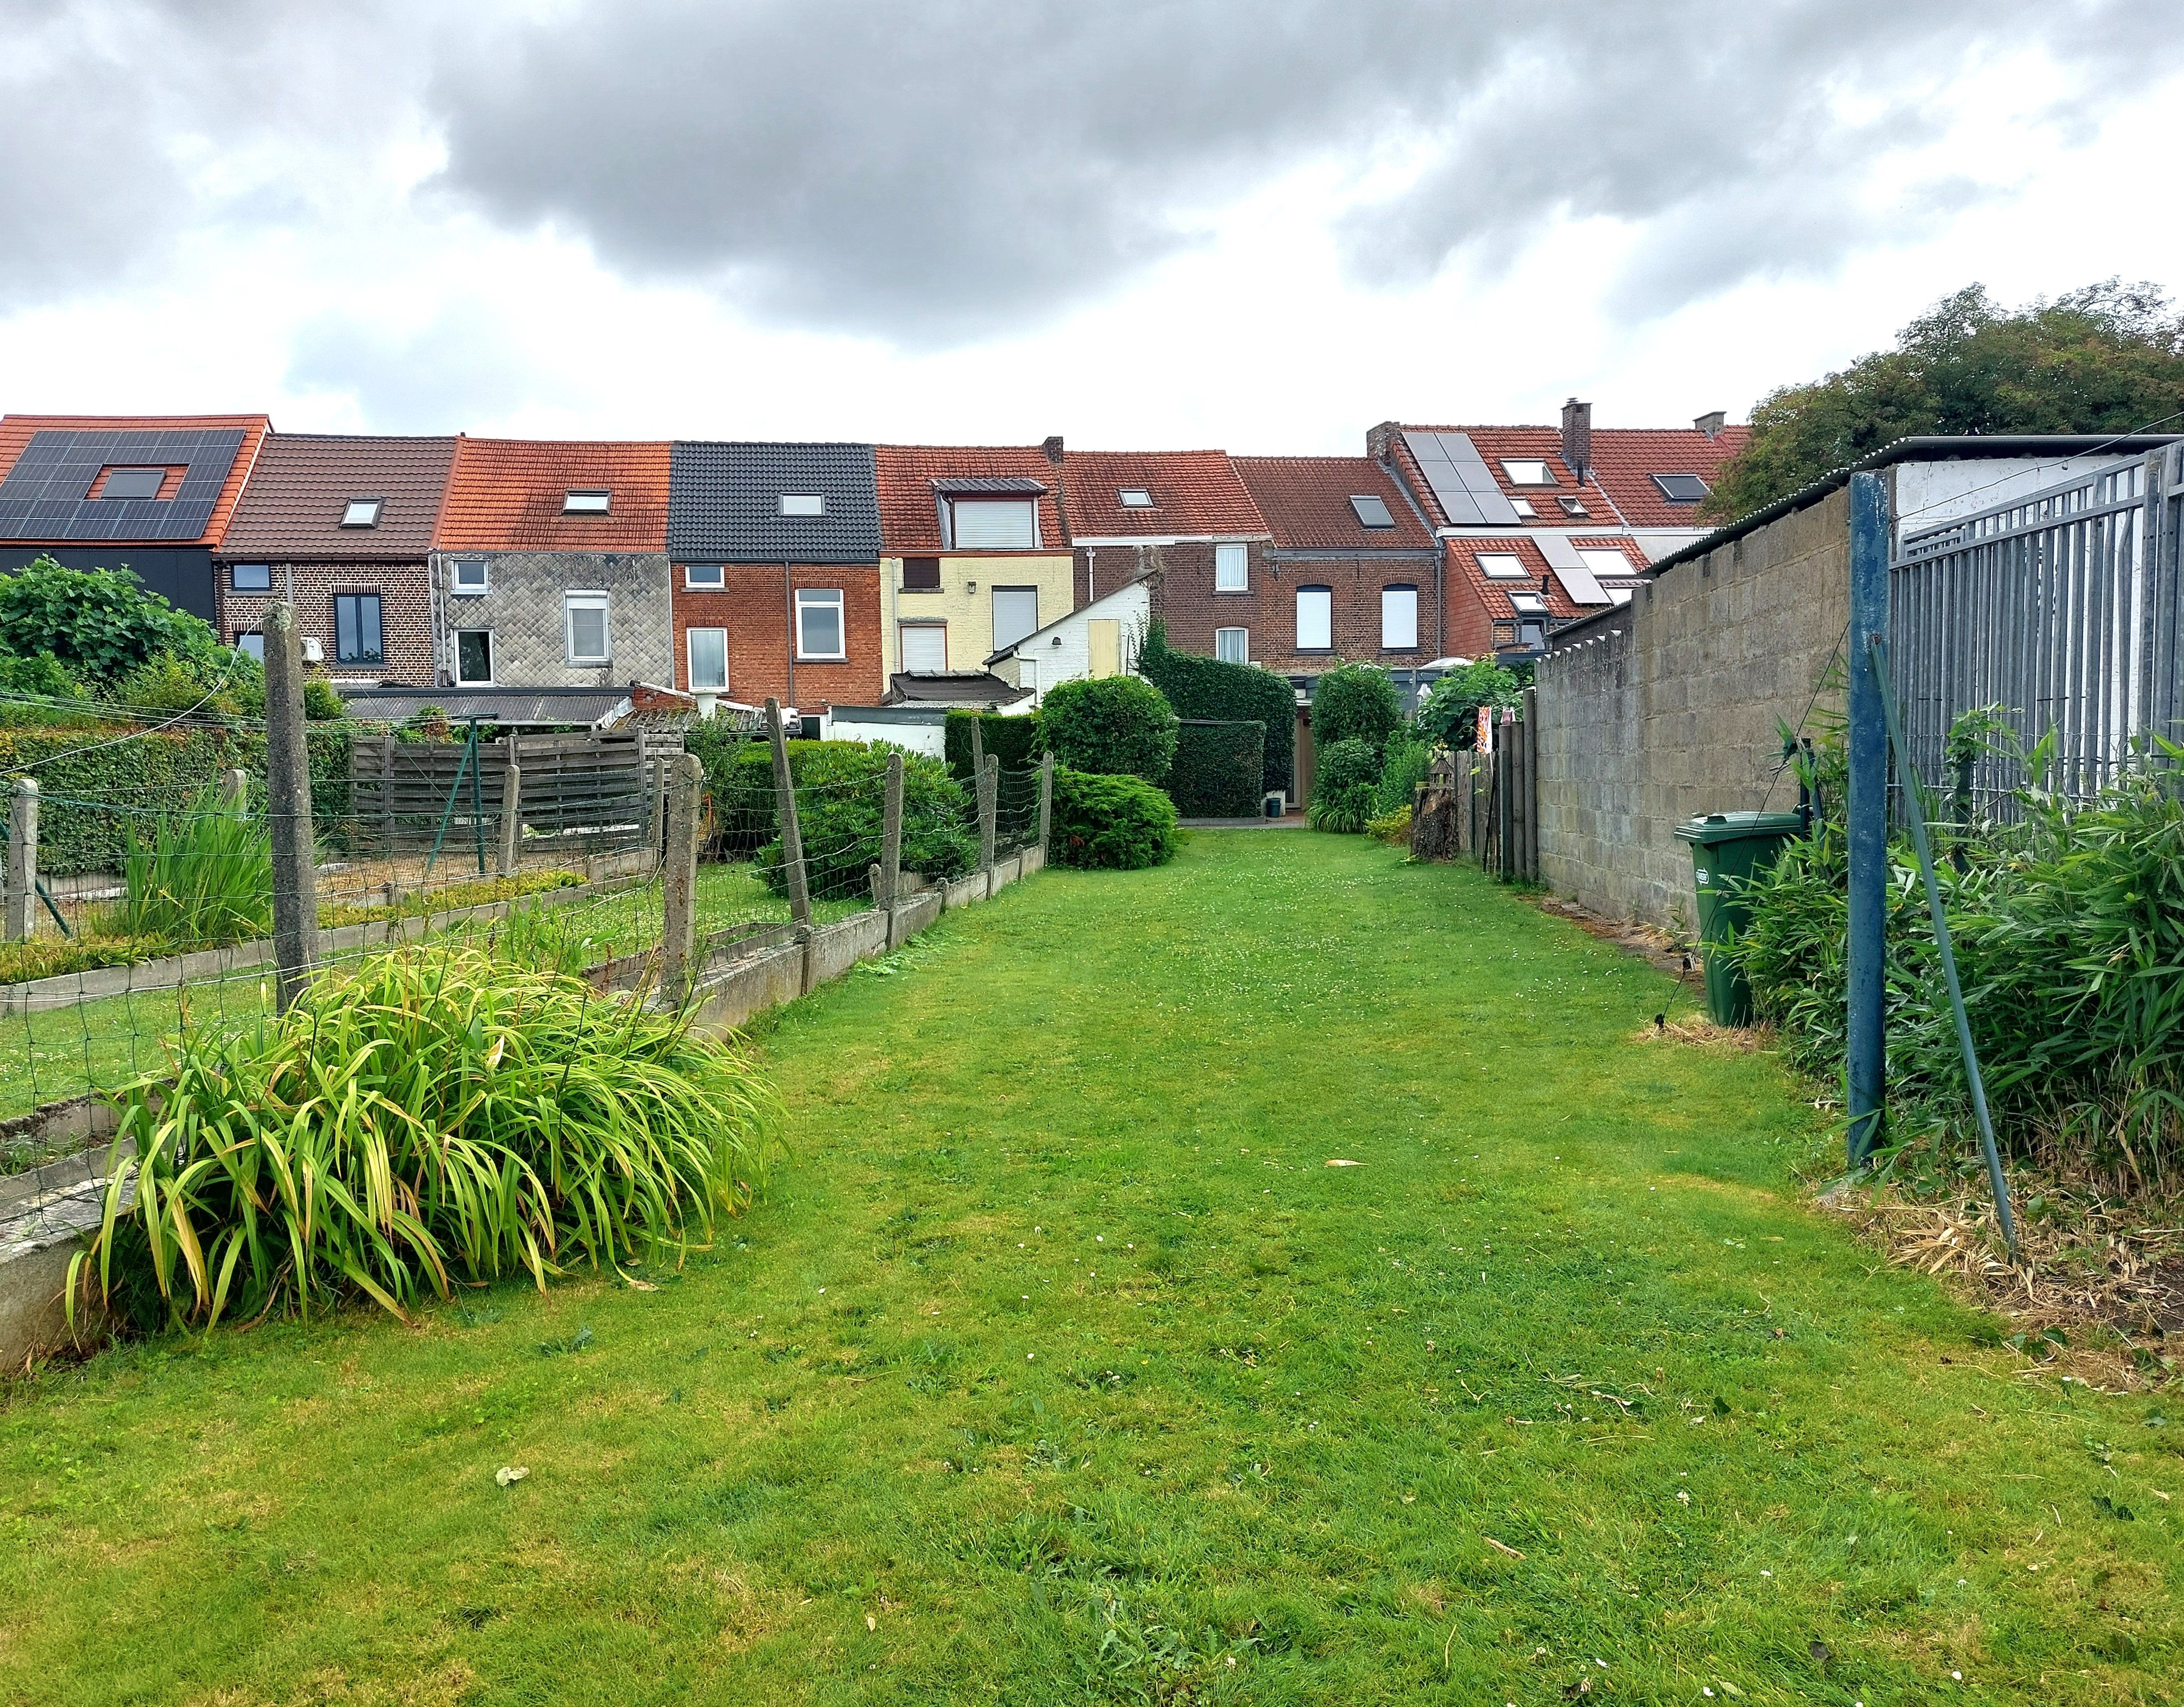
(1577, 437)
(1379, 441)
(1712, 423)
(1052, 446)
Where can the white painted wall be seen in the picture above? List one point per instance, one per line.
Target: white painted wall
(925, 735)
(1930, 493)
(1060, 651)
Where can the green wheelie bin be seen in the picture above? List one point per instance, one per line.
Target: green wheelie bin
(1728, 848)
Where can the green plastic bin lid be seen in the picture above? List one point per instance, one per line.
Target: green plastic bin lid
(1737, 826)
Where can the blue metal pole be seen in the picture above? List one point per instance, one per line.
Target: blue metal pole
(1868, 815)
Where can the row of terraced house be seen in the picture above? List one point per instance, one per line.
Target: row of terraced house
(549, 581)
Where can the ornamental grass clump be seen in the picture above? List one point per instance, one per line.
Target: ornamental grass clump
(205, 878)
(433, 1119)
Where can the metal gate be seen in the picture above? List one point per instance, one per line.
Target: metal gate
(2062, 608)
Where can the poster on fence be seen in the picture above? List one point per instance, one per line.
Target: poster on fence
(1486, 742)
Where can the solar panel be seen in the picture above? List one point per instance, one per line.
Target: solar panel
(1570, 569)
(1469, 495)
(47, 494)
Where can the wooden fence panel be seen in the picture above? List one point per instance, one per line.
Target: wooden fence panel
(582, 794)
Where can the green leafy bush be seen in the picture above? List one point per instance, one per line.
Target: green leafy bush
(1218, 769)
(1401, 772)
(1226, 693)
(1014, 740)
(1111, 822)
(1393, 827)
(1119, 725)
(99, 624)
(203, 878)
(434, 1118)
(841, 804)
(1344, 790)
(49, 956)
(1449, 716)
(1354, 702)
(41, 674)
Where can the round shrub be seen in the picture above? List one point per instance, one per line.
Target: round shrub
(1111, 822)
(1120, 726)
(1343, 794)
(1354, 702)
(841, 817)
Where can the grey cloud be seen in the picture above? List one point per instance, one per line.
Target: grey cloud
(462, 366)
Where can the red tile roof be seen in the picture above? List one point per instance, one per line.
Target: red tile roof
(291, 508)
(1196, 494)
(505, 494)
(1463, 556)
(1620, 489)
(1306, 501)
(910, 517)
(16, 430)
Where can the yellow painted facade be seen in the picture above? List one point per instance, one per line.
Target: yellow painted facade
(964, 604)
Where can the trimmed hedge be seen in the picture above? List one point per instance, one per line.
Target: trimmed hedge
(1217, 770)
(1015, 741)
(1354, 702)
(1228, 693)
(92, 791)
(1109, 822)
(1118, 726)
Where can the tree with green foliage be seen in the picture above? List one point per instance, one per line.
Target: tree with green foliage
(2108, 358)
(1449, 716)
(1118, 726)
(101, 625)
(1345, 793)
(1222, 691)
(1354, 702)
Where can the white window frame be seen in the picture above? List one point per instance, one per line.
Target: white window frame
(1388, 642)
(817, 598)
(1605, 560)
(1242, 644)
(576, 500)
(718, 584)
(571, 602)
(1491, 565)
(492, 659)
(1232, 559)
(1510, 465)
(1523, 507)
(925, 625)
(1326, 603)
(1528, 603)
(1133, 498)
(455, 586)
(804, 505)
(690, 661)
(1571, 504)
(1023, 506)
(370, 508)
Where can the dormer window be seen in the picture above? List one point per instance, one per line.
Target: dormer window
(1526, 471)
(1572, 504)
(803, 503)
(1134, 498)
(361, 512)
(1370, 510)
(1681, 488)
(993, 524)
(587, 503)
(133, 482)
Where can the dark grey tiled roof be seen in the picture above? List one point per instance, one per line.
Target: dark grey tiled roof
(989, 482)
(724, 503)
(958, 688)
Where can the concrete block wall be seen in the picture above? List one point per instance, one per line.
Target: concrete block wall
(1669, 708)
(524, 611)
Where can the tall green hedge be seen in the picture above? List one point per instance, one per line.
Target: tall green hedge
(97, 781)
(1111, 822)
(1239, 693)
(1218, 769)
(1015, 739)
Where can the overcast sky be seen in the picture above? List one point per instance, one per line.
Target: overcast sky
(1260, 224)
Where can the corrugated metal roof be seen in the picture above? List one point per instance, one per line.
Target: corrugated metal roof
(725, 503)
(581, 706)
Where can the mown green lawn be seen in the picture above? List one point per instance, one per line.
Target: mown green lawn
(1061, 1367)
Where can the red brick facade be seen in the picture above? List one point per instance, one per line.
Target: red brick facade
(405, 613)
(753, 606)
(1185, 599)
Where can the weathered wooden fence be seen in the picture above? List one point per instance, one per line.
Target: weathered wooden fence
(1483, 806)
(595, 793)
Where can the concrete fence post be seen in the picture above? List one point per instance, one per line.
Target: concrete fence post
(678, 941)
(288, 809)
(22, 860)
(792, 839)
(1045, 802)
(234, 790)
(511, 818)
(978, 744)
(989, 796)
(890, 878)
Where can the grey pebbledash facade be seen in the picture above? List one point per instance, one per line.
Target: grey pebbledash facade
(525, 609)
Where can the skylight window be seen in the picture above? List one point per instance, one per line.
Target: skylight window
(1134, 498)
(1572, 504)
(1502, 566)
(1371, 510)
(803, 503)
(1522, 507)
(1681, 488)
(361, 512)
(1528, 603)
(1605, 561)
(1526, 471)
(586, 503)
(133, 482)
